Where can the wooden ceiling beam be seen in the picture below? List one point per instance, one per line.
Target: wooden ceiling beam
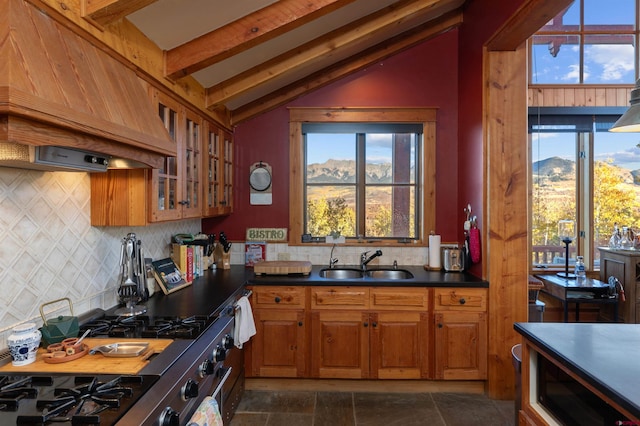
(244, 33)
(349, 66)
(320, 48)
(532, 16)
(105, 12)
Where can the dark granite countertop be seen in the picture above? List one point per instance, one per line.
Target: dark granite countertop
(421, 278)
(208, 294)
(601, 354)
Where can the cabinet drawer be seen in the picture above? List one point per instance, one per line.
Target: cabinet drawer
(278, 297)
(399, 299)
(455, 299)
(343, 297)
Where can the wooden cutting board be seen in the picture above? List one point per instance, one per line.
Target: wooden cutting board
(282, 267)
(94, 364)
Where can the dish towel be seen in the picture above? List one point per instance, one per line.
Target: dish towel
(207, 414)
(245, 327)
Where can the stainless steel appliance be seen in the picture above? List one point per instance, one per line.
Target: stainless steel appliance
(200, 362)
(453, 260)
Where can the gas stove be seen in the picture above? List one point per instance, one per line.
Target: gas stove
(143, 326)
(70, 400)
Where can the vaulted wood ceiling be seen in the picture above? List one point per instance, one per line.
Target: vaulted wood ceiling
(255, 55)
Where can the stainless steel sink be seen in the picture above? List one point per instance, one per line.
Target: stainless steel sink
(341, 273)
(390, 274)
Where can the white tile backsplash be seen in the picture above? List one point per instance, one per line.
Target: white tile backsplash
(49, 249)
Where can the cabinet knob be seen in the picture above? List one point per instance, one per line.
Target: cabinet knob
(462, 301)
(366, 324)
(300, 324)
(439, 325)
(277, 299)
(374, 324)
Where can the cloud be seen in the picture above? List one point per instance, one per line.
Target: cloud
(573, 74)
(630, 155)
(616, 60)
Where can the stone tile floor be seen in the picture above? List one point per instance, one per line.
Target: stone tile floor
(309, 408)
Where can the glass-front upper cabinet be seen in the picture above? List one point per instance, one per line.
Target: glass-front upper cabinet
(164, 181)
(192, 196)
(176, 188)
(218, 164)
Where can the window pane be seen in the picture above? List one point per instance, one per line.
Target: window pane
(390, 158)
(556, 59)
(330, 209)
(568, 20)
(608, 59)
(616, 195)
(553, 194)
(390, 211)
(331, 158)
(598, 12)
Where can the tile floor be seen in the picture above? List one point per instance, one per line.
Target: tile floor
(310, 408)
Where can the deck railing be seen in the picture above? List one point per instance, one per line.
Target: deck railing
(551, 255)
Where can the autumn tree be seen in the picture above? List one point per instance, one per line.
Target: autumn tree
(612, 202)
(328, 215)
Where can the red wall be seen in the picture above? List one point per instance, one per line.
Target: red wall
(424, 76)
(481, 21)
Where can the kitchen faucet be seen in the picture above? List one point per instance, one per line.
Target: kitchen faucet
(332, 260)
(364, 259)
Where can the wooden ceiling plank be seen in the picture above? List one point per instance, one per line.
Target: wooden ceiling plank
(244, 33)
(319, 48)
(532, 16)
(344, 68)
(104, 12)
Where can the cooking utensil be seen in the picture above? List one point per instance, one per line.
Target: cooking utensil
(121, 349)
(57, 329)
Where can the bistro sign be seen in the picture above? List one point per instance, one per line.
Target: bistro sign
(266, 234)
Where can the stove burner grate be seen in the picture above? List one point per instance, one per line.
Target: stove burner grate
(82, 402)
(176, 327)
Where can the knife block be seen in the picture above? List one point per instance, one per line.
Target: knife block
(222, 259)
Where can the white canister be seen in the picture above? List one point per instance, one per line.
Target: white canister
(23, 344)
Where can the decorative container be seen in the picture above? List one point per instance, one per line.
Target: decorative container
(23, 343)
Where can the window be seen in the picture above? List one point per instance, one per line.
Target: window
(363, 173)
(591, 42)
(581, 172)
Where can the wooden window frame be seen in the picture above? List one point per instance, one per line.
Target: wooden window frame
(427, 179)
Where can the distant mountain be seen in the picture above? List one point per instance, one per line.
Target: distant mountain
(554, 168)
(343, 171)
(558, 169)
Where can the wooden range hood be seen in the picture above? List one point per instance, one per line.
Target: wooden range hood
(57, 88)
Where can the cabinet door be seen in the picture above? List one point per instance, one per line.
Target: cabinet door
(278, 349)
(213, 170)
(192, 190)
(165, 182)
(339, 344)
(460, 345)
(227, 192)
(399, 345)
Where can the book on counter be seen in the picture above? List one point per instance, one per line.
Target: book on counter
(168, 275)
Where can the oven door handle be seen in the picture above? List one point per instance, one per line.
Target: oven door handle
(224, 379)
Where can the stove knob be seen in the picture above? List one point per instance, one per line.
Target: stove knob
(206, 368)
(189, 390)
(169, 417)
(227, 341)
(219, 353)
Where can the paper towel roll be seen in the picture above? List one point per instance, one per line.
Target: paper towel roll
(434, 252)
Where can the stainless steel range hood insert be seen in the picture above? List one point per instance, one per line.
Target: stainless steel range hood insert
(52, 158)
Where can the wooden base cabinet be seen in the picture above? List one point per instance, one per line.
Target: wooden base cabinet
(279, 348)
(460, 321)
(369, 333)
(625, 266)
(399, 346)
(340, 345)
